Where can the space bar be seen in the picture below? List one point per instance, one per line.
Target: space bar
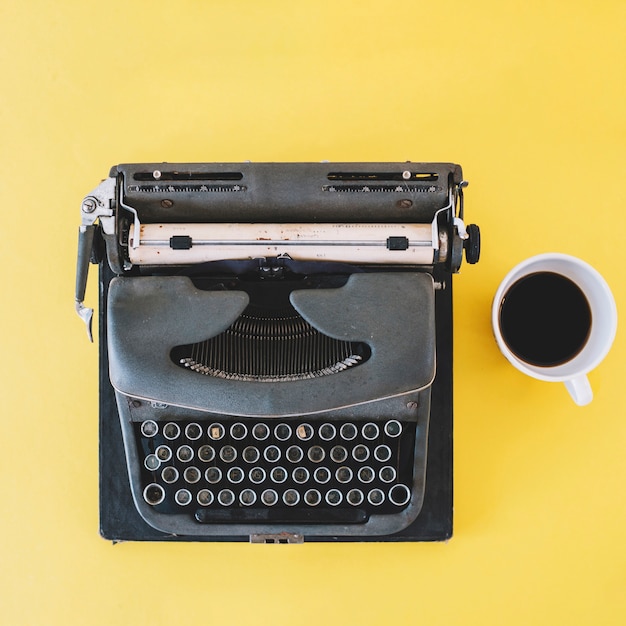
(281, 515)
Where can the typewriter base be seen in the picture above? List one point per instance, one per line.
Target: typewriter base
(120, 521)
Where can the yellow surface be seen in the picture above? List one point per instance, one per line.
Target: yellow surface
(527, 96)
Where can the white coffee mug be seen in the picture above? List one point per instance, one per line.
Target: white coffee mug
(602, 322)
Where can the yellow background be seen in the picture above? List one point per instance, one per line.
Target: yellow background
(527, 96)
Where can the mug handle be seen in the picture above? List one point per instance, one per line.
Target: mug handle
(580, 390)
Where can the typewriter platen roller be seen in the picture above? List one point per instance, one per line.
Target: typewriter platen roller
(269, 333)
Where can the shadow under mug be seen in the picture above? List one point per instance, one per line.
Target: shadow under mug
(554, 318)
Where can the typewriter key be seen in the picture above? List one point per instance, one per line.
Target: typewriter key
(247, 497)
(251, 454)
(260, 432)
(154, 494)
(355, 497)
(204, 497)
(183, 497)
(235, 475)
(291, 497)
(321, 475)
(361, 453)
(279, 474)
(334, 497)
(327, 432)
(163, 453)
(304, 432)
(312, 497)
(152, 462)
(366, 474)
(382, 453)
(393, 428)
(184, 453)
(348, 432)
(269, 497)
(300, 475)
(149, 428)
(257, 475)
(192, 475)
(228, 454)
(238, 431)
(294, 454)
(399, 495)
(213, 475)
(338, 454)
(376, 497)
(316, 454)
(387, 474)
(370, 431)
(271, 454)
(282, 432)
(193, 431)
(216, 432)
(343, 474)
(225, 497)
(169, 475)
(206, 453)
(171, 430)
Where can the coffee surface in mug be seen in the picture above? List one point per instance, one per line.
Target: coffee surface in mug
(545, 319)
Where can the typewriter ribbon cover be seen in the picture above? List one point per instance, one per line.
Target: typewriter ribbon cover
(269, 334)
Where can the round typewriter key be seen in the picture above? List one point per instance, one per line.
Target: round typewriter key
(235, 475)
(382, 453)
(260, 432)
(204, 497)
(343, 474)
(183, 497)
(169, 474)
(154, 494)
(193, 431)
(163, 453)
(257, 475)
(269, 497)
(279, 474)
(361, 453)
(238, 431)
(228, 454)
(171, 430)
(321, 475)
(399, 495)
(225, 497)
(312, 497)
(271, 453)
(355, 497)
(370, 431)
(334, 497)
(327, 432)
(300, 475)
(192, 475)
(184, 453)
(366, 474)
(387, 474)
(376, 497)
(247, 497)
(338, 454)
(316, 454)
(213, 475)
(152, 462)
(251, 454)
(294, 454)
(304, 432)
(348, 432)
(393, 428)
(206, 453)
(291, 497)
(282, 432)
(149, 428)
(215, 432)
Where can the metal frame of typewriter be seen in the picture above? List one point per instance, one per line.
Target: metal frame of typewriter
(401, 381)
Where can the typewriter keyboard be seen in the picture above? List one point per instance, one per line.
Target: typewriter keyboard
(298, 472)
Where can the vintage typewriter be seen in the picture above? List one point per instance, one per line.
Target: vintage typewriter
(275, 348)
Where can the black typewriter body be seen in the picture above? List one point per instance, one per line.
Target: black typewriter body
(275, 349)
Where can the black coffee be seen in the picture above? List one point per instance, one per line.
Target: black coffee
(545, 319)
